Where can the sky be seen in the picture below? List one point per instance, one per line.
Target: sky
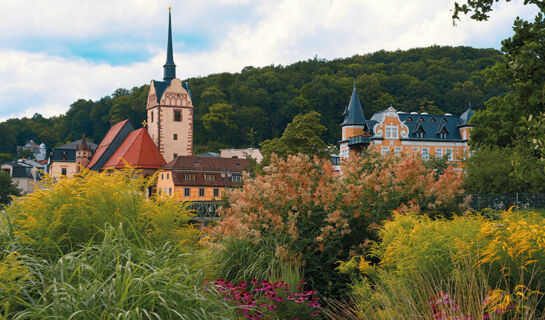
(57, 51)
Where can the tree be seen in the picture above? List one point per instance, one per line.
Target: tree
(8, 188)
(504, 170)
(25, 154)
(482, 8)
(5, 157)
(302, 135)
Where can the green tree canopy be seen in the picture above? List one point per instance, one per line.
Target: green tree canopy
(7, 188)
(302, 135)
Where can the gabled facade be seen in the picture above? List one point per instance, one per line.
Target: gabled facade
(25, 173)
(170, 110)
(396, 131)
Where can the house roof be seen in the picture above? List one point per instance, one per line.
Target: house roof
(111, 142)
(353, 114)
(193, 163)
(137, 150)
(179, 178)
(465, 117)
(69, 150)
(432, 125)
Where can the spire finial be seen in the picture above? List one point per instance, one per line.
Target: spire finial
(354, 83)
(469, 105)
(169, 67)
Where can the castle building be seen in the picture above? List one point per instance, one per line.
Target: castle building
(396, 131)
(40, 152)
(170, 110)
(83, 154)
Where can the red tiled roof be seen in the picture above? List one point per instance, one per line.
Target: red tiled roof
(194, 163)
(137, 150)
(105, 143)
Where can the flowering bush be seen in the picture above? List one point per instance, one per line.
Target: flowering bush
(265, 300)
(322, 216)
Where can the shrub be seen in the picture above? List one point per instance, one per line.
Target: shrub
(71, 212)
(487, 268)
(322, 217)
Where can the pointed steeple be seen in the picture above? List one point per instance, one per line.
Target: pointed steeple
(169, 67)
(353, 114)
(464, 118)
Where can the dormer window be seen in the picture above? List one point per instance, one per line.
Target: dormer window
(409, 119)
(443, 135)
(421, 119)
(444, 120)
(391, 132)
(433, 120)
(420, 134)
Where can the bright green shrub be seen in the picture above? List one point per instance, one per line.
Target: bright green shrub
(73, 211)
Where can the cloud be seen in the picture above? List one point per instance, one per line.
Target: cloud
(66, 60)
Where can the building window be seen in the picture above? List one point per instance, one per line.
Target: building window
(201, 192)
(397, 150)
(449, 154)
(187, 192)
(162, 177)
(175, 136)
(175, 155)
(189, 176)
(63, 171)
(64, 156)
(416, 149)
(384, 150)
(391, 132)
(438, 152)
(168, 175)
(209, 177)
(443, 135)
(177, 115)
(170, 191)
(236, 178)
(420, 134)
(216, 192)
(425, 153)
(152, 117)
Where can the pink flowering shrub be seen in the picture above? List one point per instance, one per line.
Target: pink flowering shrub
(323, 217)
(265, 300)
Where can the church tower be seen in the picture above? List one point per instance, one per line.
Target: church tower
(170, 110)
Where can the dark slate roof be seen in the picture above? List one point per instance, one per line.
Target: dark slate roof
(432, 128)
(353, 114)
(465, 117)
(74, 145)
(22, 170)
(70, 151)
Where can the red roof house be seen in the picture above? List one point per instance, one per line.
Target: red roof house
(137, 150)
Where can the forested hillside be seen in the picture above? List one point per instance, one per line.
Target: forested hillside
(245, 108)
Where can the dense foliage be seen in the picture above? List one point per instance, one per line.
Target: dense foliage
(257, 103)
(8, 188)
(317, 217)
(469, 267)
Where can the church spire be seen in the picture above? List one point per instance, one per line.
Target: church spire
(169, 67)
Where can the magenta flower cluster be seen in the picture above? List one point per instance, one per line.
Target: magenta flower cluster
(443, 307)
(258, 299)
